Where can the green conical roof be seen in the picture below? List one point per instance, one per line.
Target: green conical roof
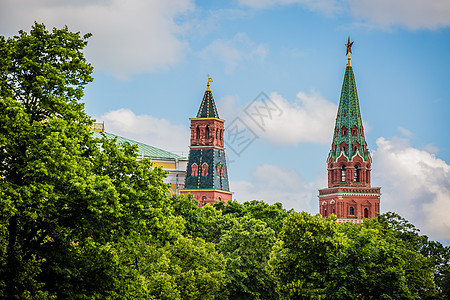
(349, 128)
(208, 107)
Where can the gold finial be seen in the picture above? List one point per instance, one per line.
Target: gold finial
(207, 85)
(349, 51)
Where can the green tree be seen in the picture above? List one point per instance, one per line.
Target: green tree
(300, 260)
(319, 258)
(68, 201)
(184, 269)
(205, 222)
(438, 256)
(273, 215)
(246, 247)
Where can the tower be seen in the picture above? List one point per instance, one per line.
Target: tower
(349, 195)
(206, 172)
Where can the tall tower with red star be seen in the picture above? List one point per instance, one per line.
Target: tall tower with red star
(349, 194)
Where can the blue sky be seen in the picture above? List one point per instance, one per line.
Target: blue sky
(152, 58)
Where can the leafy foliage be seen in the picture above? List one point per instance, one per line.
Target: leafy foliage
(319, 258)
(247, 246)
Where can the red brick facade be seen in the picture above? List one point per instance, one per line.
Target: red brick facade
(207, 132)
(209, 196)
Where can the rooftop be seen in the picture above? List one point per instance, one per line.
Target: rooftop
(144, 150)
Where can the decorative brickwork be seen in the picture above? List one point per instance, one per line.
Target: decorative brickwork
(206, 174)
(349, 195)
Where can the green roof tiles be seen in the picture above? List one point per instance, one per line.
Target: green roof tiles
(349, 128)
(144, 150)
(208, 107)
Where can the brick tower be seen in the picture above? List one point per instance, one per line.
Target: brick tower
(349, 195)
(206, 173)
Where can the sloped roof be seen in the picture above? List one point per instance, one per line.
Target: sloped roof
(208, 107)
(143, 149)
(349, 115)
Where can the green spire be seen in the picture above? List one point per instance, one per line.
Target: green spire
(208, 107)
(349, 128)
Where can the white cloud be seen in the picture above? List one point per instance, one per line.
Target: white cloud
(405, 131)
(277, 184)
(233, 51)
(159, 133)
(415, 184)
(129, 37)
(412, 14)
(326, 6)
(309, 119)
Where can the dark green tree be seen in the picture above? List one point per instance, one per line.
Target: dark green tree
(438, 256)
(246, 247)
(319, 258)
(69, 202)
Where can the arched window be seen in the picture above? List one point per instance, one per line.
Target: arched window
(198, 133)
(344, 131)
(221, 135)
(207, 131)
(217, 133)
(205, 169)
(325, 212)
(336, 132)
(343, 173)
(352, 210)
(356, 175)
(354, 131)
(194, 169)
(366, 213)
(334, 210)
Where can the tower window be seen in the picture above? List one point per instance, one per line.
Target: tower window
(205, 169)
(356, 175)
(344, 147)
(343, 173)
(344, 131)
(194, 169)
(207, 131)
(352, 210)
(198, 133)
(354, 131)
(336, 132)
(366, 213)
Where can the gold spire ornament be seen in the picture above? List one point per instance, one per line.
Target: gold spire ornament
(349, 51)
(207, 85)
